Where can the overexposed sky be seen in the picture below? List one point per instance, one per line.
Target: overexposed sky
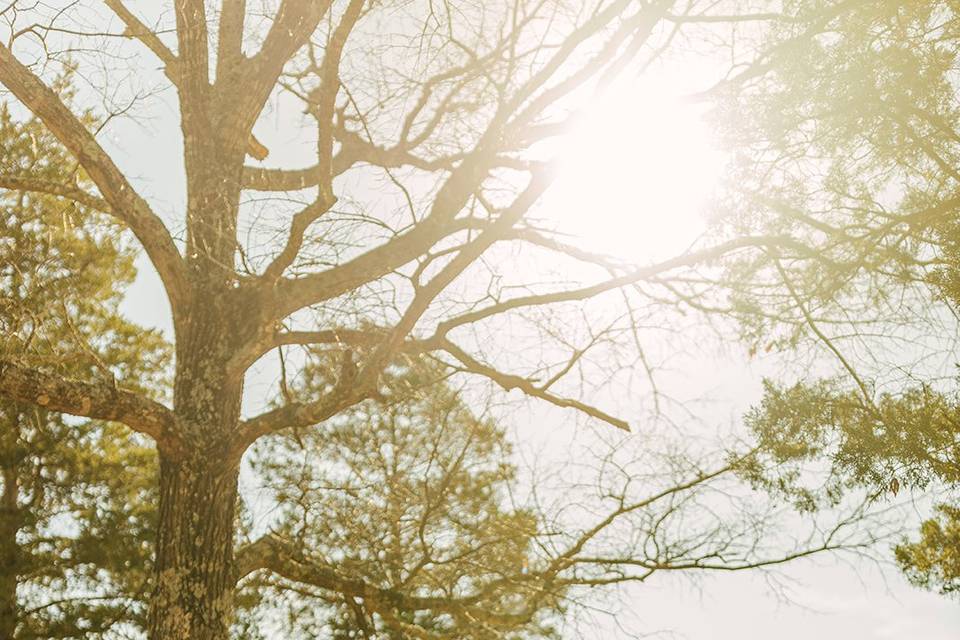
(828, 599)
(849, 602)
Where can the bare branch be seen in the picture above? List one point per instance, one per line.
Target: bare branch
(689, 259)
(273, 553)
(125, 203)
(744, 17)
(326, 94)
(293, 294)
(91, 400)
(68, 191)
(298, 227)
(351, 337)
(297, 414)
(230, 37)
(509, 382)
(465, 257)
(249, 84)
(135, 28)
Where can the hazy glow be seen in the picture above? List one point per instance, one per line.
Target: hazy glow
(636, 173)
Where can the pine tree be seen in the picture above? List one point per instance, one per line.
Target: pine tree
(847, 140)
(411, 497)
(78, 496)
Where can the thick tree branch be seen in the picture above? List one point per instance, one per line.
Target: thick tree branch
(465, 257)
(262, 179)
(135, 28)
(297, 414)
(252, 80)
(91, 400)
(230, 36)
(293, 294)
(466, 178)
(192, 52)
(310, 413)
(347, 393)
(353, 150)
(229, 51)
(273, 553)
(125, 203)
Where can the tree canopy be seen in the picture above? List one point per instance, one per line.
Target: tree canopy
(846, 152)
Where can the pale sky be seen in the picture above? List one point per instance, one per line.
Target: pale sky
(828, 600)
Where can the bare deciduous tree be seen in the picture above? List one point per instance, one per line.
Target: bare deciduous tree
(448, 109)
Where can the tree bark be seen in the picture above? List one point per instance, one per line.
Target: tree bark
(9, 553)
(194, 572)
(8, 582)
(193, 595)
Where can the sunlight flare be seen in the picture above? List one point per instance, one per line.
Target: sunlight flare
(636, 173)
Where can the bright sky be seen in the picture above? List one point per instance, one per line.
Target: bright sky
(641, 131)
(637, 170)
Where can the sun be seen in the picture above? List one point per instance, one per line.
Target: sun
(636, 172)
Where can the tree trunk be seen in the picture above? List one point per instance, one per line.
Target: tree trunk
(194, 571)
(193, 595)
(9, 554)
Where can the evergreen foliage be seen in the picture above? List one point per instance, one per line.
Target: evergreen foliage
(78, 496)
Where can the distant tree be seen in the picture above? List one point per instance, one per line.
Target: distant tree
(909, 439)
(77, 496)
(931, 562)
(403, 518)
(409, 498)
(848, 159)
